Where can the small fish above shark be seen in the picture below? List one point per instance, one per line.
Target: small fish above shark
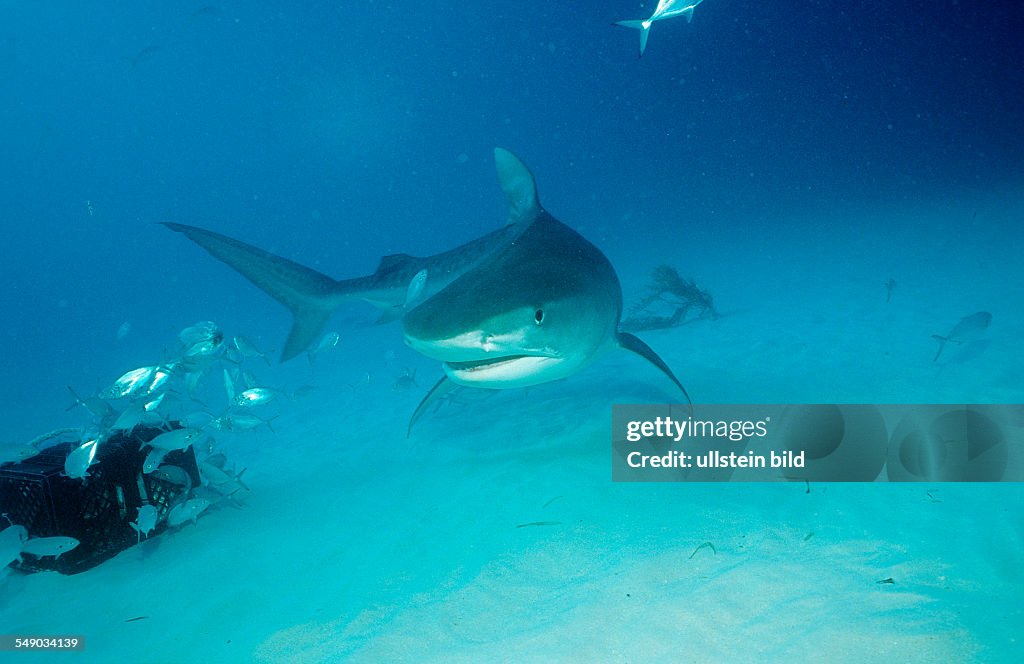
(529, 303)
(666, 9)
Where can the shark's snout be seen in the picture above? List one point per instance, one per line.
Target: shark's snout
(482, 359)
(467, 347)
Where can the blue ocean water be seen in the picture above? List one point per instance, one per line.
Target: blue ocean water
(791, 159)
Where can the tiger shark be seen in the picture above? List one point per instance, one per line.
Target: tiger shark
(666, 9)
(529, 303)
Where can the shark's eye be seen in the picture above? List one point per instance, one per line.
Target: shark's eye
(538, 316)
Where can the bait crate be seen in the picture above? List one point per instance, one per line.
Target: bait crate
(97, 510)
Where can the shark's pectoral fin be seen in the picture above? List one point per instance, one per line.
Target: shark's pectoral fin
(440, 389)
(519, 186)
(310, 295)
(634, 344)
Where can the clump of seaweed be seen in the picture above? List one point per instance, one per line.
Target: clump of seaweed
(670, 301)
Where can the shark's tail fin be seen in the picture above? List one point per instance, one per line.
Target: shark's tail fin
(643, 26)
(311, 296)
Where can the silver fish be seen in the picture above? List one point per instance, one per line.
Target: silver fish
(145, 522)
(161, 374)
(218, 460)
(144, 380)
(196, 420)
(129, 418)
(49, 546)
(204, 348)
(256, 396)
(187, 511)
(203, 338)
(153, 460)
(239, 422)
(95, 405)
(329, 340)
(12, 539)
(153, 404)
(77, 463)
(218, 477)
(130, 383)
(248, 349)
(177, 439)
(968, 329)
(206, 493)
(174, 475)
(192, 381)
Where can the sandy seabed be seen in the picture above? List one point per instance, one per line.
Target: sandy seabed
(359, 544)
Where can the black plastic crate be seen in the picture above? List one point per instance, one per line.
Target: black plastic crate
(97, 511)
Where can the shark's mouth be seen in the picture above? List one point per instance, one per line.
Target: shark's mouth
(479, 365)
(503, 371)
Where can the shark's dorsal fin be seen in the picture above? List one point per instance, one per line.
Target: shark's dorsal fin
(519, 187)
(440, 389)
(634, 344)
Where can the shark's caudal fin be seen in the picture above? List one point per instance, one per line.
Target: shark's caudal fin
(942, 345)
(310, 296)
(634, 344)
(645, 29)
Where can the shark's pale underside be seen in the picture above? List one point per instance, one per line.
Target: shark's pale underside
(529, 303)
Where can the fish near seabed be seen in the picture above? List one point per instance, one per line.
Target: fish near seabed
(968, 329)
(12, 539)
(80, 459)
(49, 546)
(529, 303)
(187, 511)
(145, 522)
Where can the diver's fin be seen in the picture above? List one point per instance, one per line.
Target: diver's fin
(519, 187)
(310, 295)
(632, 343)
(645, 29)
(439, 390)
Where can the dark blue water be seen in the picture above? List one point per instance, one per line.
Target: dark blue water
(338, 133)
